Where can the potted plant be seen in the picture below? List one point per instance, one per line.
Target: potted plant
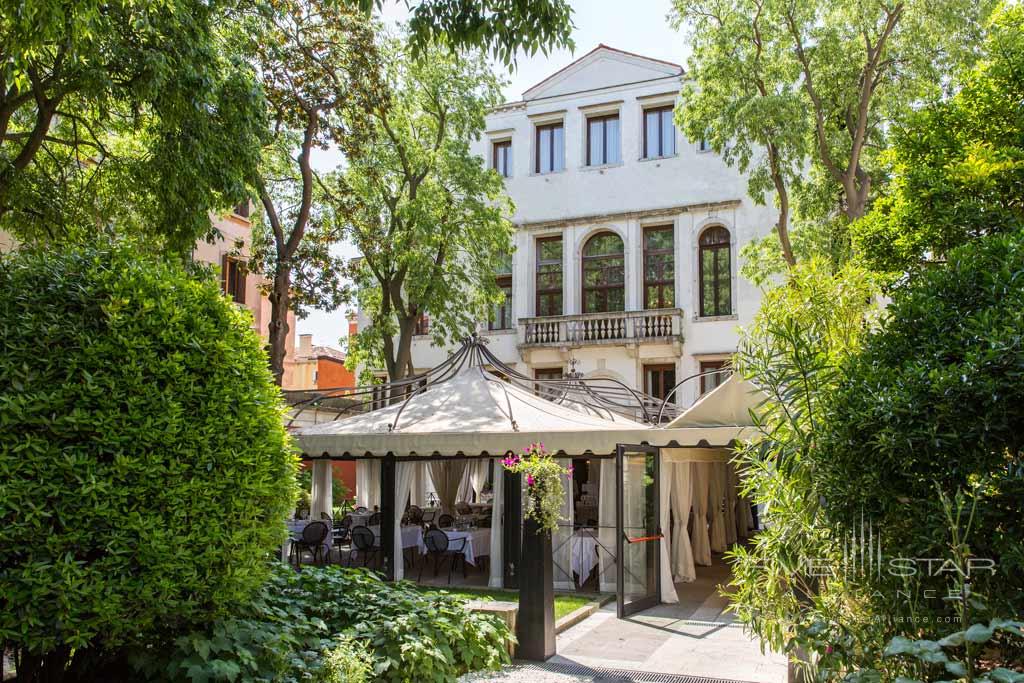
(545, 494)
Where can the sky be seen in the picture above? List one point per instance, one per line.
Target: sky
(639, 26)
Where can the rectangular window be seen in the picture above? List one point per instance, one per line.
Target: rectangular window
(502, 319)
(550, 148)
(548, 390)
(603, 140)
(549, 276)
(703, 145)
(233, 274)
(713, 379)
(501, 159)
(422, 325)
(659, 380)
(659, 133)
(242, 210)
(659, 267)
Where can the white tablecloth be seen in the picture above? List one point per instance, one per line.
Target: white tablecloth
(360, 518)
(412, 536)
(584, 554)
(478, 543)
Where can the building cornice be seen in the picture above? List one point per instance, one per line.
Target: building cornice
(629, 215)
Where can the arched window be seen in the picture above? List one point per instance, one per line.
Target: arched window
(604, 275)
(715, 275)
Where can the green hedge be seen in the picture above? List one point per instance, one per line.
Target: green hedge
(311, 625)
(933, 405)
(144, 470)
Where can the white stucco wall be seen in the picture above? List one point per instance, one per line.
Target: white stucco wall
(690, 190)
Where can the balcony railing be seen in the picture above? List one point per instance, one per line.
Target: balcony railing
(661, 324)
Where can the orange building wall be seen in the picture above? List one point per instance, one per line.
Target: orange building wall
(331, 374)
(344, 472)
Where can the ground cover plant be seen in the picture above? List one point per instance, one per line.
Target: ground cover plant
(145, 473)
(319, 624)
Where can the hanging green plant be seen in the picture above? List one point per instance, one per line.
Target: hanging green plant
(544, 488)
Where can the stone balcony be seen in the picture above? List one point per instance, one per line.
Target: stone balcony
(663, 325)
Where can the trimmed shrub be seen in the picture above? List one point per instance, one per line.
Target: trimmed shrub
(291, 631)
(145, 473)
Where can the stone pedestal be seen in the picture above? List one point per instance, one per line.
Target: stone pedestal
(536, 623)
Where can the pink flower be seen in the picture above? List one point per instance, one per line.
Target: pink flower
(529, 480)
(569, 471)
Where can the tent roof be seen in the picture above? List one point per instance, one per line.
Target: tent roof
(471, 413)
(727, 405)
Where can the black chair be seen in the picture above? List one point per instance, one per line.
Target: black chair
(446, 521)
(360, 510)
(364, 543)
(440, 547)
(428, 516)
(415, 514)
(463, 508)
(343, 531)
(375, 519)
(312, 539)
(326, 517)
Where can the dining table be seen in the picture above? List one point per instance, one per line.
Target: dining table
(412, 535)
(478, 543)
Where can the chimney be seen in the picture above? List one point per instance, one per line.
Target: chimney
(353, 324)
(305, 344)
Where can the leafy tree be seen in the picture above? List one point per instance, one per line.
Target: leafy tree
(499, 27)
(802, 333)
(327, 103)
(815, 81)
(146, 470)
(318, 65)
(957, 166)
(430, 221)
(121, 110)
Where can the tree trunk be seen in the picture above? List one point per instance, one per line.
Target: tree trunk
(277, 331)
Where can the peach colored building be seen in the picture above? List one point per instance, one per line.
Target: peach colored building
(230, 254)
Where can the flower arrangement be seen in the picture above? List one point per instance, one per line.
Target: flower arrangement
(544, 492)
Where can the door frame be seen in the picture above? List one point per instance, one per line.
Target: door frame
(624, 610)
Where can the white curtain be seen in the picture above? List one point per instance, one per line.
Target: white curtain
(668, 588)
(447, 475)
(730, 504)
(405, 472)
(418, 494)
(478, 476)
(561, 539)
(322, 495)
(368, 483)
(497, 579)
(716, 502)
(699, 539)
(606, 521)
(465, 493)
(683, 570)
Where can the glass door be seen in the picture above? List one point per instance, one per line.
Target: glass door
(639, 536)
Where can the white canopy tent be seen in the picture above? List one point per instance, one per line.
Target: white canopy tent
(704, 481)
(470, 413)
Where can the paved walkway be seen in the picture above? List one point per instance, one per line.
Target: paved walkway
(694, 638)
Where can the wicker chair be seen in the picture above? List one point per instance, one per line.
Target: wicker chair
(442, 549)
(463, 508)
(375, 519)
(365, 543)
(415, 514)
(312, 539)
(445, 521)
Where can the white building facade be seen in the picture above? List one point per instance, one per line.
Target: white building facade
(626, 261)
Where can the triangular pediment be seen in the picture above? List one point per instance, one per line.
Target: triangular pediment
(602, 67)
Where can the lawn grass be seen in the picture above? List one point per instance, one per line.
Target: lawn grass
(564, 603)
